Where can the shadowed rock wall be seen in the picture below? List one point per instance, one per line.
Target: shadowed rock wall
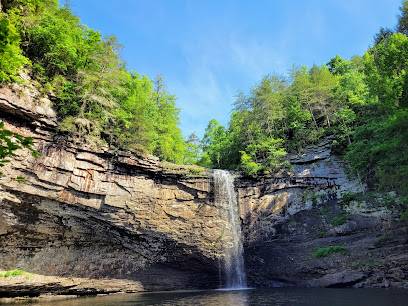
(286, 219)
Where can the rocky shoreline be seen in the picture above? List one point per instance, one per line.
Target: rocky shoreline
(40, 286)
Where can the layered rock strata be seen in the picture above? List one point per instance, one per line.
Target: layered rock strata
(99, 214)
(288, 220)
(77, 212)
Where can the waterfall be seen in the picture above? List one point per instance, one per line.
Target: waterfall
(226, 197)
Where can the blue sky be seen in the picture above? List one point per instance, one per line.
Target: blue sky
(208, 50)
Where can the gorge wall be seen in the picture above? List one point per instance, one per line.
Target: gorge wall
(80, 212)
(289, 220)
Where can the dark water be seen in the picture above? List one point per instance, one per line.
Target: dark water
(272, 297)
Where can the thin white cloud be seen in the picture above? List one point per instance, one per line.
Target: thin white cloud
(257, 58)
(216, 68)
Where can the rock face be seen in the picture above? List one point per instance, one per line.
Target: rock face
(75, 212)
(37, 285)
(286, 220)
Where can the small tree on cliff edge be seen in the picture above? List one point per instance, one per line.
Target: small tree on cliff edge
(10, 142)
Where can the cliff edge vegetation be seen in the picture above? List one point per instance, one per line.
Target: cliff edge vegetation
(96, 98)
(362, 102)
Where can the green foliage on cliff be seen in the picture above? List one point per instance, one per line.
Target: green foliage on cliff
(362, 102)
(281, 116)
(12, 273)
(95, 96)
(327, 251)
(11, 57)
(10, 142)
(382, 136)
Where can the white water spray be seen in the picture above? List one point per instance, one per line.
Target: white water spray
(226, 197)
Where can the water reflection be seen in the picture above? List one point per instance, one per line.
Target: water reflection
(272, 297)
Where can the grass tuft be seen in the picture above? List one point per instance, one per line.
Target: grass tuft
(326, 251)
(12, 273)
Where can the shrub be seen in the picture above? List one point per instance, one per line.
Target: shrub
(250, 167)
(10, 142)
(12, 273)
(340, 219)
(20, 179)
(322, 233)
(404, 215)
(389, 200)
(349, 197)
(326, 251)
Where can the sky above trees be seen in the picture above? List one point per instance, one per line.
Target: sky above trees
(208, 50)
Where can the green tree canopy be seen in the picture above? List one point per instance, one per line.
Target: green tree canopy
(95, 97)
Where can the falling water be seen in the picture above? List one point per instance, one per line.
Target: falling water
(225, 196)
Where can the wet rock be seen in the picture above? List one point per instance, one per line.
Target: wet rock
(338, 279)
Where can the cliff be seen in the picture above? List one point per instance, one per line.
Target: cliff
(73, 212)
(320, 228)
(84, 216)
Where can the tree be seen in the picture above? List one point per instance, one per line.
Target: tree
(100, 76)
(382, 34)
(386, 71)
(313, 90)
(338, 65)
(11, 58)
(267, 104)
(214, 143)
(136, 116)
(402, 26)
(351, 88)
(169, 144)
(266, 155)
(193, 153)
(96, 99)
(302, 90)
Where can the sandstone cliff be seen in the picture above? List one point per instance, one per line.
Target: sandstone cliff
(288, 220)
(73, 212)
(96, 214)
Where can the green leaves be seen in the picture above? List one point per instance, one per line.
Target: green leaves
(386, 71)
(58, 42)
(377, 152)
(248, 165)
(362, 102)
(215, 144)
(11, 58)
(95, 97)
(266, 156)
(402, 26)
(146, 119)
(10, 142)
(329, 250)
(380, 136)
